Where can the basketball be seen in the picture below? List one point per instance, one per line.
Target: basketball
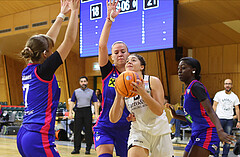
(123, 83)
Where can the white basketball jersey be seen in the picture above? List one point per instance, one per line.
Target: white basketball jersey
(146, 120)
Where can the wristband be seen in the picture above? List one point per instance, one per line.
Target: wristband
(112, 19)
(108, 19)
(238, 121)
(61, 15)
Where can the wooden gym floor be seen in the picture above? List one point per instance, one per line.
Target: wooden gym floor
(8, 147)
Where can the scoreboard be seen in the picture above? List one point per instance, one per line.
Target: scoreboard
(144, 25)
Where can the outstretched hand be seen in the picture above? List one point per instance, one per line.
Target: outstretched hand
(74, 4)
(226, 138)
(64, 7)
(111, 9)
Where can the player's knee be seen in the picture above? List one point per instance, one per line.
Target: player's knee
(105, 155)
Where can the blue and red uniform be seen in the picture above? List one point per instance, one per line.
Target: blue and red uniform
(106, 132)
(204, 133)
(41, 97)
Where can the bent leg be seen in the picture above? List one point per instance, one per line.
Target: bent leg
(198, 151)
(105, 149)
(137, 151)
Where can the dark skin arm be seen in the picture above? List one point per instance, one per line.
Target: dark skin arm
(176, 116)
(224, 137)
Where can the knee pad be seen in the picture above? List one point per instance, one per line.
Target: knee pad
(105, 155)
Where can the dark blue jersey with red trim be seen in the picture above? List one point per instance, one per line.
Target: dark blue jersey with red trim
(194, 111)
(41, 99)
(108, 96)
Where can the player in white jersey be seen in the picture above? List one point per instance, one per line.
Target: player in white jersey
(150, 133)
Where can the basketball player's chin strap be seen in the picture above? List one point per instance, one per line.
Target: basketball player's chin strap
(105, 155)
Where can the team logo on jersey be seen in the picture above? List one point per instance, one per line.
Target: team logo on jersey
(214, 147)
(97, 138)
(128, 77)
(111, 82)
(188, 90)
(58, 85)
(197, 139)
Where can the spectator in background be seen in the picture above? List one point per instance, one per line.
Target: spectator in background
(99, 97)
(83, 97)
(224, 102)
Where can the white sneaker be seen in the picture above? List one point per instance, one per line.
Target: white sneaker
(176, 139)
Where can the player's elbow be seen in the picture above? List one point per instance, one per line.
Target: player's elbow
(158, 112)
(102, 46)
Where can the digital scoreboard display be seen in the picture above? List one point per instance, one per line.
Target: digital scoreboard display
(144, 25)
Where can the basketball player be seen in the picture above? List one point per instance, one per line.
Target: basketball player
(206, 127)
(150, 133)
(41, 92)
(106, 134)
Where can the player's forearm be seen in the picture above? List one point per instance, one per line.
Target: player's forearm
(103, 50)
(156, 107)
(180, 117)
(72, 28)
(55, 28)
(105, 34)
(116, 110)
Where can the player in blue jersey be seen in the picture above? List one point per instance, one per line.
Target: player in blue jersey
(41, 92)
(206, 127)
(106, 134)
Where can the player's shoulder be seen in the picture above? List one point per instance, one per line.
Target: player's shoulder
(153, 78)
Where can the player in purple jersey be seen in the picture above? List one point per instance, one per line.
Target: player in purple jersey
(106, 134)
(206, 127)
(41, 92)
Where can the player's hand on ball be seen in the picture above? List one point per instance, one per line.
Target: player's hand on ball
(111, 9)
(138, 87)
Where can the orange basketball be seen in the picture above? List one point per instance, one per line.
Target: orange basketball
(123, 83)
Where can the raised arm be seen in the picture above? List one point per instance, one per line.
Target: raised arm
(103, 51)
(55, 28)
(71, 32)
(116, 110)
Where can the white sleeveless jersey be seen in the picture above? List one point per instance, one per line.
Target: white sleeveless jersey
(146, 120)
